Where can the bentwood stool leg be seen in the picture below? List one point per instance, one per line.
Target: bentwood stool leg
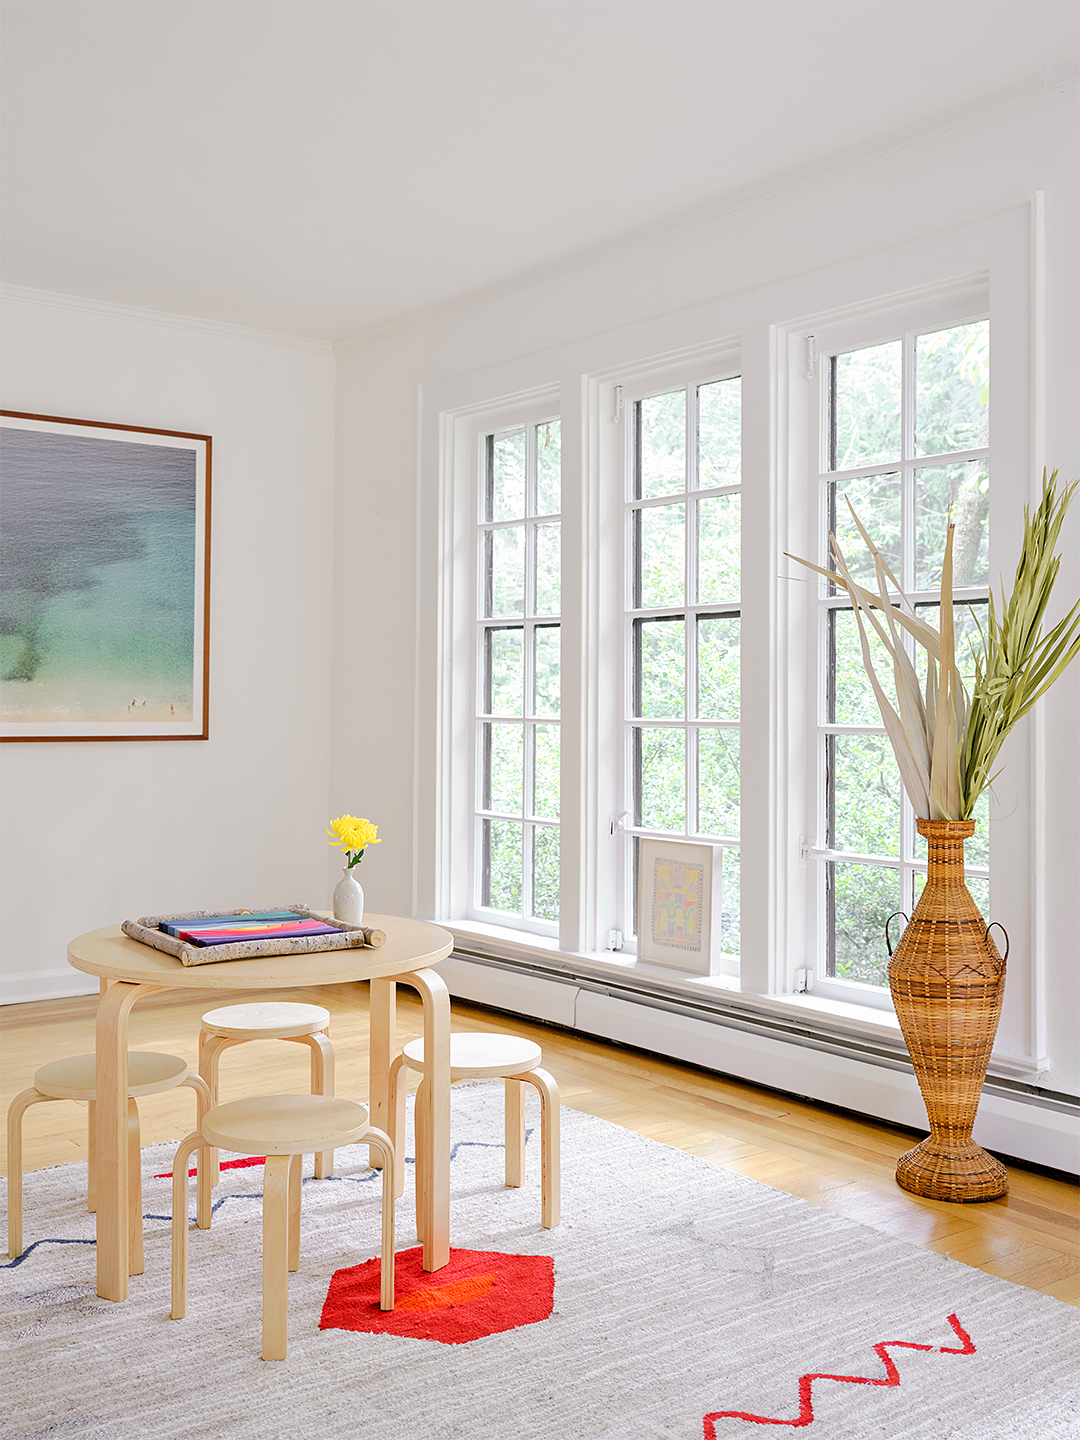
(188, 1146)
(134, 1163)
(396, 1128)
(322, 1083)
(434, 1202)
(210, 1050)
(296, 1180)
(378, 1141)
(550, 1178)
(514, 1133)
(16, 1110)
(275, 1256)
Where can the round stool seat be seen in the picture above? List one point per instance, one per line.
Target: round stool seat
(481, 1057)
(285, 1124)
(274, 1020)
(73, 1079)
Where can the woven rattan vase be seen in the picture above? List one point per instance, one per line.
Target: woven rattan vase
(947, 981)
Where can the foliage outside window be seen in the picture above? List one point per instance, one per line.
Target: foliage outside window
(907, 442)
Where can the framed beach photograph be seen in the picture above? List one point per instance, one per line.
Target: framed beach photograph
(678, 914)
(105, 588)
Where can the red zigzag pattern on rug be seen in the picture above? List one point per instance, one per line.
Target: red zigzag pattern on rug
(806, 1406)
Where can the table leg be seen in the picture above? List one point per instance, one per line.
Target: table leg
(434, 1198)
(111, 1124)
(382, 1049)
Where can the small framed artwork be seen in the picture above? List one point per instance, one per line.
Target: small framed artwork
(678, 914)
(104, 600)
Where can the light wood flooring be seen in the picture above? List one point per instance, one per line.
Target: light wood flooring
(839, 1162)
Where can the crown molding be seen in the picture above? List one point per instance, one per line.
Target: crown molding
(1053, 83)
(26, 295)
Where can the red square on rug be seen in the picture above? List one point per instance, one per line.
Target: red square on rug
(480, 1292)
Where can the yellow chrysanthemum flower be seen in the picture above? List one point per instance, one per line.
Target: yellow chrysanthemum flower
(353, 834)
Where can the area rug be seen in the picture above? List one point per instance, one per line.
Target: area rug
(684, 1303)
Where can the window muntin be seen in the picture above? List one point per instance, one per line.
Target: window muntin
(518, 649)
(683, 627)
(907, 441)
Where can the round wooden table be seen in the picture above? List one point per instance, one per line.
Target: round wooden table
(131, 970)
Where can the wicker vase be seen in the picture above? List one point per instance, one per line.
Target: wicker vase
(947, 981)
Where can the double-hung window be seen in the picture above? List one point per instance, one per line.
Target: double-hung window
(517, 665)
(681, 771)
(904, 439)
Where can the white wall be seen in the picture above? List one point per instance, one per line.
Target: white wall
(94, 833)
(928, 211)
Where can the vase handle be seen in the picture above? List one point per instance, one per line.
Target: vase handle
(892, 917)
(1001, 927)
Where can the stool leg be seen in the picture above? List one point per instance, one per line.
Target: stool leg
(134, 1163)
(16, 1110)
(322, 1083)
(91, 1156)
(384, 1144)
(180, 1223)
(209, 1058)
(396, 1132)
(515, 1133)
(550, 1178)
(421, 1120)
(275, 1256)
(296, 1177)
(202, 1105)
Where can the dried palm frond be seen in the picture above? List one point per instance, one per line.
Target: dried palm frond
(944, 744)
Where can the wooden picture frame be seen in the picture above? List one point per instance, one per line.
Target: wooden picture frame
(105, 599)
(678, 909)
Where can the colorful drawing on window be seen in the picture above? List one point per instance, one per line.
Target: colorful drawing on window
(676, 915)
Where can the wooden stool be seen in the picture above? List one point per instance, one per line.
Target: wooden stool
(274, 1020)
(74, 1079)
(284, 1128)
(489, 1057)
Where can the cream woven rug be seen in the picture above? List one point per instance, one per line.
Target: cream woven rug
(682, 1291)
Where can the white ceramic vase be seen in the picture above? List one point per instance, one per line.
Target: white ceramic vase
(349, 899)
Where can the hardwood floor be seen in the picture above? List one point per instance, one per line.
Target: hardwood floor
(841, 1163)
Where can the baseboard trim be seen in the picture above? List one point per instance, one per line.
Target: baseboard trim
(23, 986)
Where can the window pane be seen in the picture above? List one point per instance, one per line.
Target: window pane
(505, 570)
(546, 671)
(506, 478)
(730, 926)
(720, 433)
(718, 782)
(850, 696)
(963, 490)
(661, 780)
(660, 665)
(501, 888)
(545, 872)
(546, 771)
(866, 406)
(952, 389)
(866, 795)
(503, 748)
(719, 564)
(548, 468)
(863, 898)
(662, 455)
(718, 667)
(548, 569)
(876, 500)
(660, 540)
(504, 690)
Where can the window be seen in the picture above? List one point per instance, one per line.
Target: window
(905, 439)
(682, 627)
(516, 832)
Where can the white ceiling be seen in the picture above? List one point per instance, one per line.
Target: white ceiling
(322, 166)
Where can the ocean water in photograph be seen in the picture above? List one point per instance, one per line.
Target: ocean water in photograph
(98, 589)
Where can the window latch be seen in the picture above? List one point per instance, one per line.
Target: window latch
(811, 356)
(615, 823)
(617, 413)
